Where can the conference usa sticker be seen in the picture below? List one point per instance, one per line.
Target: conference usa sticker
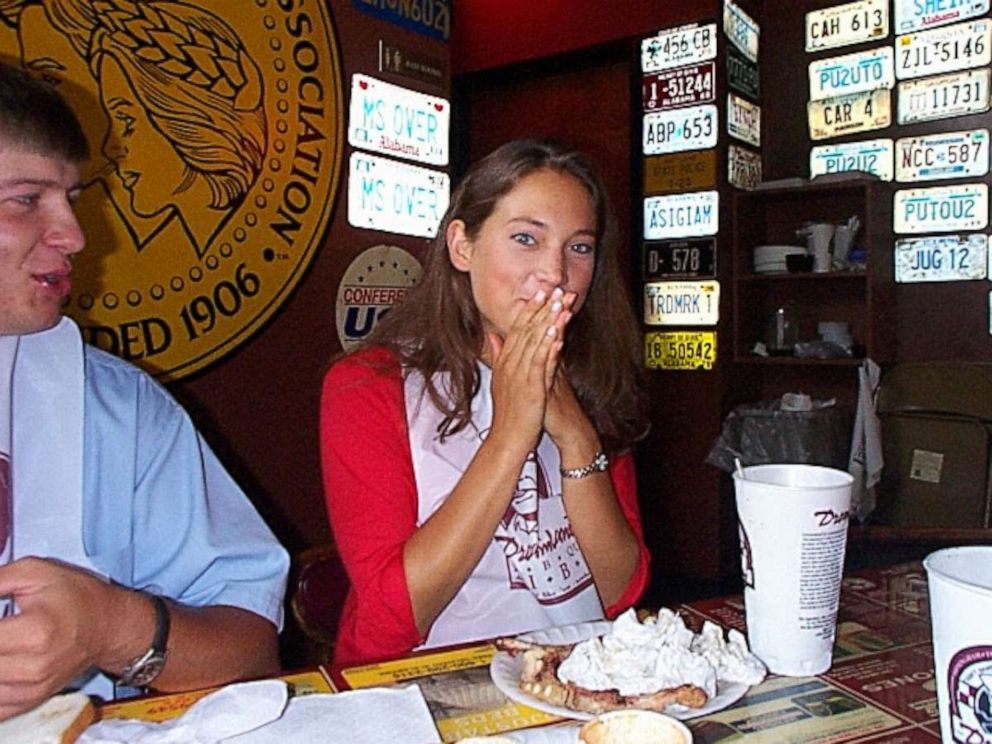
(696, 214)
(941, 258)
(941, 209)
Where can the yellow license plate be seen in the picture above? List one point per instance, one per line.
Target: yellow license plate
(680, 350)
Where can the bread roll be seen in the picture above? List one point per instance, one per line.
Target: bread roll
(641, 726)
(59, 720)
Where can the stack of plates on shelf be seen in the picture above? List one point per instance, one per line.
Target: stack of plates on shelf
(770, 259)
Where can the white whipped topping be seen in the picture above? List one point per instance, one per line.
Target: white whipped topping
(638, 658)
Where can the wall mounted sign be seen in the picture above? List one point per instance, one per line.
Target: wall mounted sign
(958, 47)
(741, 29)
(941, 209)
(851, 73)
(858, 112)
(677, 47)
(743, 167)
(868, 156)
(942, 258)
(428, 17)
(397, 121)
(682, 303)
(913, 15)
(680, 350)
(842, 25)
(743, 120)
(691, 215)
(674, 258)
(943, 96)
(411, 64)
(677, 130)
(943, 155)
(684, 171)
(742, 74)
(395, 197)
(682, 86)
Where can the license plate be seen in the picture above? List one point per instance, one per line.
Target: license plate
(942, 209)
(680, 350)
(958, 47)
(676, 47)
(683, 171)
(743, 167)
(913, 15)
(842, 25)
(743, 120)
(682, 303)
(677, 130)
(945, 258)
(691, 215)
(696, 257)
(870, 156)
(741, 29)
(391, 120)
(944, 96)
(944, 155)
(742, 74)
(851, 73)
(859, 112)
(683, 86)
(395, 197)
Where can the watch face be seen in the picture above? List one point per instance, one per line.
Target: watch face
(144, 672)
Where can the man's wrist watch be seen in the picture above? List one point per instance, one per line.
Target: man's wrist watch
(600, 462)
(143, 669)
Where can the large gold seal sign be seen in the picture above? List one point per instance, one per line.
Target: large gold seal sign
(216, 131)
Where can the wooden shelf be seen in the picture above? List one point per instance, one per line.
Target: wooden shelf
(807, 276)
(789, 361)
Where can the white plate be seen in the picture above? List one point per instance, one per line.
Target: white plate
(505, 671)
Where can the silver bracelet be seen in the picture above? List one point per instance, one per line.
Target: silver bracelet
(600, 462)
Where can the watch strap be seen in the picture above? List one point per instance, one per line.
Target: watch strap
(600, 463)
(146, 667)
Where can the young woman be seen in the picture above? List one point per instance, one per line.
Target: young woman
(475, 450)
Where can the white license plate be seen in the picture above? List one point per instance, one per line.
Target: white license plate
(685, 45)
(743, 120)
(869, 156)
(682, 303)
(683, 86)
(942, 258)
(941, 209)
(680, 350)
(384, 194)
(741, 29)
(944, 96)
(913, 15)
(842, 25)
(743, 167)
(858, 112)
(851, 73)
(396, 121)
(691, 215)
(958, 47)
(678, 130)
(944, 155)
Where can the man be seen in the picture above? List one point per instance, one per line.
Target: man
(134, 553)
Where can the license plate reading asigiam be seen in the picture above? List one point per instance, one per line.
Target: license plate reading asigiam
(680, 349)
(942, 258)
(741, 29)
(683, 86)
(396, 197)
(696, 214)
(842, 25)
(678, 130)
(944, 96)
(958, 47)
(676, 47)
(913, 15)
(944, 155)
(680, 258)
(870, 156)
(682, 303)
(743, 120)
(941, 209)
(851, 73)
(858, 112)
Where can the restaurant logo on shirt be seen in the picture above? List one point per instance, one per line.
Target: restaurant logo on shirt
(969, 683)
(215, 131)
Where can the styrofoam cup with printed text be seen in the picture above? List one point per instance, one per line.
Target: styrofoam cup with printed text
(792, 521)
(960, 582)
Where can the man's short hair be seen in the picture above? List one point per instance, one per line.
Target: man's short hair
(35, 117)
